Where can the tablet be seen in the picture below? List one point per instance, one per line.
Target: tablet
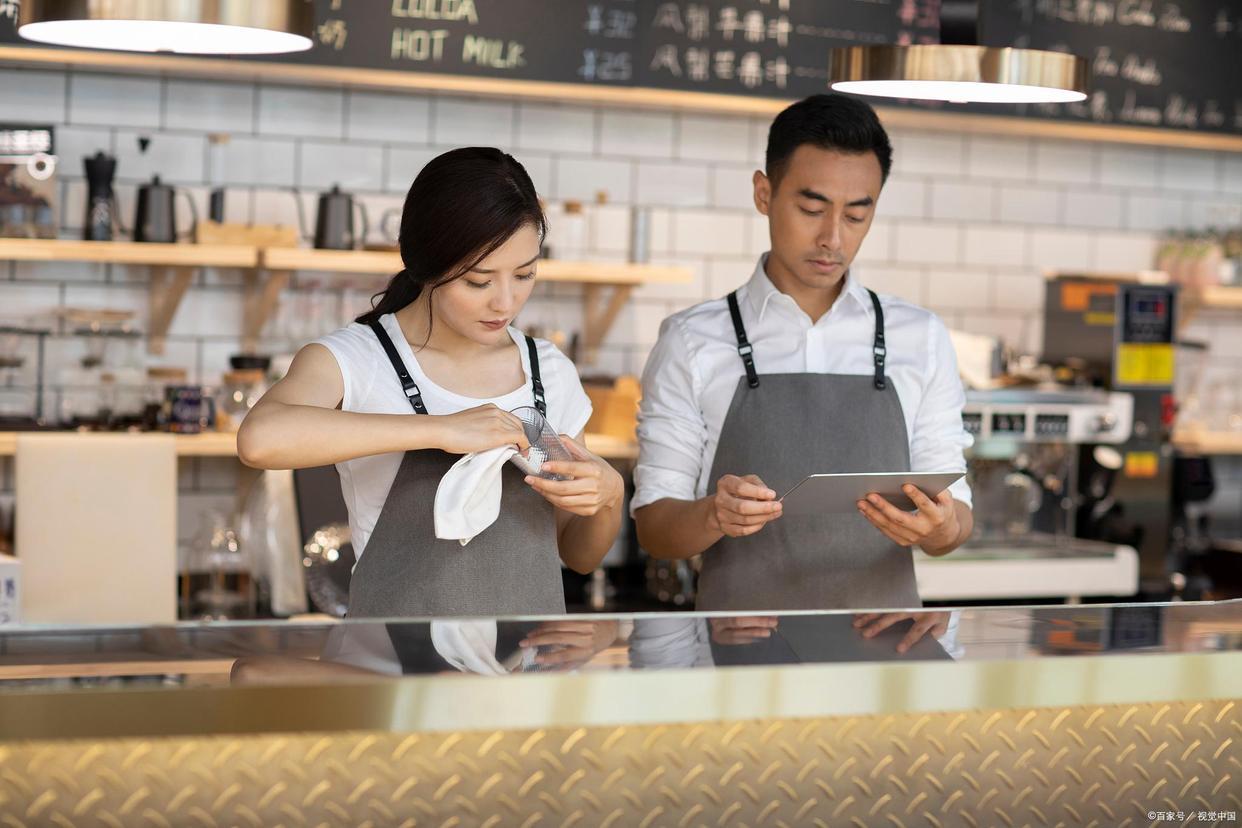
(821, 494)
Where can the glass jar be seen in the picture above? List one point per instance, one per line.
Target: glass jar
(158, 378)
(238, 393)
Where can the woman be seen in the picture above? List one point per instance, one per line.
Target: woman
(431, 373)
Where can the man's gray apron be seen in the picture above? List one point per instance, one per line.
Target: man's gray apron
(512, 568)
(790, 426)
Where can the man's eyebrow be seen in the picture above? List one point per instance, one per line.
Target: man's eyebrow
(866, 201)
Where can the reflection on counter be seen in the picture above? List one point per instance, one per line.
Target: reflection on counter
(217, 654)
(1071, 715)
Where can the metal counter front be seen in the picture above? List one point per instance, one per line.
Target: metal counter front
(1089, 715)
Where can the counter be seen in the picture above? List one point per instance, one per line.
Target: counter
(1071, 715)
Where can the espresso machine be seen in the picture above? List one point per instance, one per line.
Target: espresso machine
(1118, 336)
(1029, 492)
(1025, 469)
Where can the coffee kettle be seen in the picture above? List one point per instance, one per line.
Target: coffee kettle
(334, 220)
(156, 217)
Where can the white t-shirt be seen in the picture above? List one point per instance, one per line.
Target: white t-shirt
(372, 387)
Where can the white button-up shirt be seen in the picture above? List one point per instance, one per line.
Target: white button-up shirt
(694, 368)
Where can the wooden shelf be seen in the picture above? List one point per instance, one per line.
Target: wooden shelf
(386, 263)
(269, 270)
(367, 262)
(1194, 301)
(1142, 277)
(129, 253)
(165, 289)
(607, 285)
(1218, 297)
(132, 665)
(1211, 443)
(216, 444)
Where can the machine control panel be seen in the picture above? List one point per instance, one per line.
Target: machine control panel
(1052, 426)
(1147, 315)
(1049, 416)
(1009, 424)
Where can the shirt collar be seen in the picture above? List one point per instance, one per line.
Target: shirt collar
(760, 290)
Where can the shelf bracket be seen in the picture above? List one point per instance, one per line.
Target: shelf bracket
(263, 289)
(165, 297)
(599, 314)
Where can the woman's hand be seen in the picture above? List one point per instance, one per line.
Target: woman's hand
(479, 429)
(595, 484)
(567, 645)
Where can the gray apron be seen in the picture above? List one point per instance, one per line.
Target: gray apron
(511, 568)
(783, 429)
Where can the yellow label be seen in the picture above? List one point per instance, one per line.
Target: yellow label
(1144, 363)
(1100, 319)
(1142, 464)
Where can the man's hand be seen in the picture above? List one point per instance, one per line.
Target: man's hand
(742, 506)
(934, 526)
(872, 623)
(742, 630)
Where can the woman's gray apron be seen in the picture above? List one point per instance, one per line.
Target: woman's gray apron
(790, 426)
(512, 568)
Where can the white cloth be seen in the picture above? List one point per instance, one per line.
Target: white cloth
(693, 370)
(470, 646)
(468, 497)
(372, 387)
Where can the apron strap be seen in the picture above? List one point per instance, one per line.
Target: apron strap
(535, 381)
(878, 348)
(407, 382)
(744, 348)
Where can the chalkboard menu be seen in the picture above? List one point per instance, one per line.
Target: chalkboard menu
(1156, 63)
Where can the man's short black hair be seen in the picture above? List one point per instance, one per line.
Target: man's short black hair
(832, 122)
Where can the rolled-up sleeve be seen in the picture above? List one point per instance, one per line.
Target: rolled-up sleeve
(940, 440)
(671, 429)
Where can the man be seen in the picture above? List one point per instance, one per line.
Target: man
(803, 370)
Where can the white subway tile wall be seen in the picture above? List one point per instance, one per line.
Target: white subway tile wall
(1093, 208)
(556, 128)
(209, 107)
(33, 97)
(352, 167)
(175, 157)
(471, 123)
(109, 100)
(672, 183)
(301, 112)
(966, 224)
(713, 138)
(1065, 162)
(254, 161)
(630, 133)
(371, 116)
